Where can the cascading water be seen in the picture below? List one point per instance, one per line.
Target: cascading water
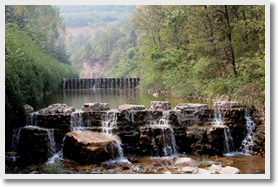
(248, 140)
(218, 121)
(31, 119)
(109, 122)
(76, 120)
(169, 147)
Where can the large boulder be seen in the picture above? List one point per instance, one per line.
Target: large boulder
(226, 104)
(191, 106)
(160, 105)
(88, 107)
(127, 107)
(88, 147)
(57, 109)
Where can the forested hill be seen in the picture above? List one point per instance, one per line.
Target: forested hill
(98, 36)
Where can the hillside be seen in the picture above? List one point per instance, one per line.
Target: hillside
(89, 53)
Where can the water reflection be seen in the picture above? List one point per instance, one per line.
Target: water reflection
(115, 97)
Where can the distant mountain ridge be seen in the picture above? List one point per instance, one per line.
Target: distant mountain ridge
(95, 15)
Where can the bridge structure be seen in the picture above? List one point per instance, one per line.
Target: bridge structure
(96, 83)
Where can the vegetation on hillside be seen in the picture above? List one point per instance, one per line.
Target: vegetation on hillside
(116, 45)
(203, 50)
(35, 60)
(190, 50)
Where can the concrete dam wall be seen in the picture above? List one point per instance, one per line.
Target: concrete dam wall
(106, 83)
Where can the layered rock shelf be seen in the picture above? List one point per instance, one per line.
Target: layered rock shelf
(142, 131)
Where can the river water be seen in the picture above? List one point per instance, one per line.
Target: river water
(115, 97)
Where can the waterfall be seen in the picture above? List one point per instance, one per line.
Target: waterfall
(109, 122)
(31, 119)
(76, 120)
(228, 139)
(248, 140)
(169, 147)
(52, 143)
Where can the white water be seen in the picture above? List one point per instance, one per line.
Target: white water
(169, 147)
(219, 121)
(248, 140)
(76, 120)
(31, 119)
(109, 122)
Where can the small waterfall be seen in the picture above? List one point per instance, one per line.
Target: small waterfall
(169, 147)
(109, 122)
(57, 155)
(31, 119)
(52, 143)
(219, 121)
(76, 120)
(248, 140)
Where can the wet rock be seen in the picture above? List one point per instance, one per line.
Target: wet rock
(203, 171)
(191, 106)
(189, 169)
(212, 144)
(156, 164)
(133, 159)
(28, 108)
(56, 109)
(226, 104)
(215, 169)
(160, 105)
(88, 147)
(139, 169)
(230, 170)
(186, 162)
(88, 107)
(34, 144)
(127, 107)
(109, 166)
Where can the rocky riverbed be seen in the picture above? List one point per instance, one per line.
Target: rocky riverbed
(179, 164)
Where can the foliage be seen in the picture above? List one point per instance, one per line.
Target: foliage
(43, 24)
(203, 50)
(29, 73)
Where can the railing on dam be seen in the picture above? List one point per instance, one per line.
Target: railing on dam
(85, 83)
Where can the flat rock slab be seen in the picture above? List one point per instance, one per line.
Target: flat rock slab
(131, 107)
(160, 105)
(88, 147)
(191, 106)
(88, 107)
(57, 108)
(226, 104)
